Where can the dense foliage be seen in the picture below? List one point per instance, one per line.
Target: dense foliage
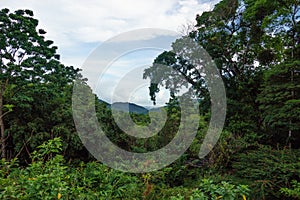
(255, 45)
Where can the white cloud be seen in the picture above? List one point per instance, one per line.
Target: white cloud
(97, 20)
(77, 27)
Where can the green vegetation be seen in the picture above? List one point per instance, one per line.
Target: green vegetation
(51, 177)
(255, 45)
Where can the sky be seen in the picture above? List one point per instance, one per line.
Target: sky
(79, 27)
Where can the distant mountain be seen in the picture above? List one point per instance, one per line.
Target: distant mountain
(124, 106)
(133, 108)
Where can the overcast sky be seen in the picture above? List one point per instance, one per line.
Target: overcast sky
(78, 27)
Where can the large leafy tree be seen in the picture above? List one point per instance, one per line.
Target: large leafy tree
(32, 79)
(226, 34)
(229, 37)
(255, 45)
(280, 98)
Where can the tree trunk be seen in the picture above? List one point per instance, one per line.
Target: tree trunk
(2, 136)
(293, 96)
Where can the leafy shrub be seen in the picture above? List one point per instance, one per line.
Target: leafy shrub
(225, 190)
(206, 189)
(292, 192)
(48, 177)
(268, 170)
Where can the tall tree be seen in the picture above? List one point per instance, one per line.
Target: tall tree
(245, 39)
(27, 60)
(226, 34)
(280, 98)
